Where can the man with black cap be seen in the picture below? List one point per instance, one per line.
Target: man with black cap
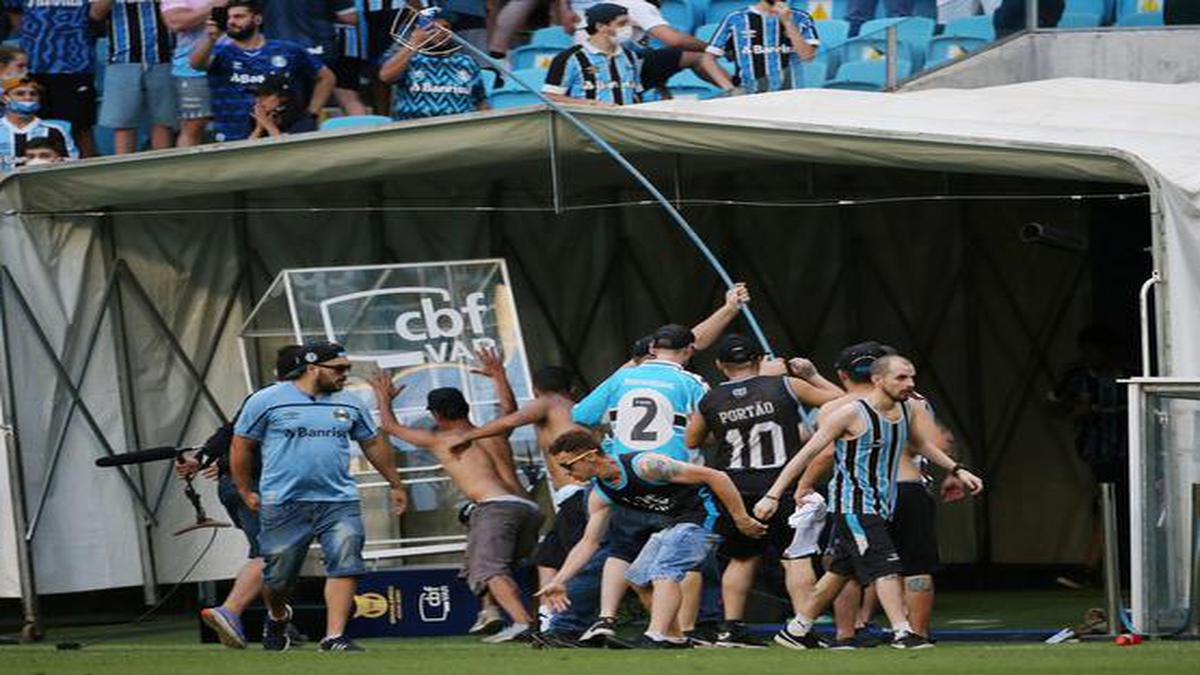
(504, 524)
(599, 70)
(759, 423)
(304, 427)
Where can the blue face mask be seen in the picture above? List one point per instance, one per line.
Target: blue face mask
(25, 107)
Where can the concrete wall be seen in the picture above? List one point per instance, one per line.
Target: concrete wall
(1167, 55)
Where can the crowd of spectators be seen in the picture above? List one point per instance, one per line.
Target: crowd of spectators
(185, 72)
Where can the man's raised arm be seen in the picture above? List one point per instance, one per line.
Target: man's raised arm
(385, 392)
(707, 331)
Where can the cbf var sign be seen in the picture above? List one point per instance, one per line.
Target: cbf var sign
(422, 323)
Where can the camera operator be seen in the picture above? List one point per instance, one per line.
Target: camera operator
(239, 66)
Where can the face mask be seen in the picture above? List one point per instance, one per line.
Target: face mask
(25, 107)
(624, 34)
(38, 161)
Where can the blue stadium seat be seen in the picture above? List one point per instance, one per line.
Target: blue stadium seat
(717, 9)
(1096, 7)
(679, 14)
(866, 75)
(1125, 8)
(551, 36)
(687, 84)
(1141, 19)
(811, 74)
(822, 9)
(534, 56)
(833, 32)
(980, 26)
(925, 8)
(354, 121)
(949, 47)
(512, 94)
(1079, 20)
(914, 34)
(706, 31)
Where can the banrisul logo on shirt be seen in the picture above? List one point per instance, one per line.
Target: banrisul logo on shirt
(310, 432)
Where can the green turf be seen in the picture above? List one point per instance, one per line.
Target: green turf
(459, 656)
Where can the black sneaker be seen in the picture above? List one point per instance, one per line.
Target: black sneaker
(809, 640)
(597, 632)
(737, 636)
(844, 644)
(616, 642)
(704, 635)
(555, 641)
(911, 641)
(864, 638)
(340, 643)
(275, 637)
(647, 642)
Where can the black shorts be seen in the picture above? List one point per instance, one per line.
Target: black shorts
(738, 546)
(862, 548)
(658, 65)
(351, 73)
(914, 529)
(629, 530)
(70, 97)
(565, 532)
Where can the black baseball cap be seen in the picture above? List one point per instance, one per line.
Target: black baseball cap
(313, 353)
(672, 336)
(286, 365)
(856, 360)
(447, 402)
(737, 348)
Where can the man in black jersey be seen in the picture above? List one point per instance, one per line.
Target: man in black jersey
(651, 483)
(759, 424)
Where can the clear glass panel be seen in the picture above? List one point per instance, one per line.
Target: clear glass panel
(1171, 464)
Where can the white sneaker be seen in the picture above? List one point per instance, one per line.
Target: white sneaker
(512, 632)
(489, 619)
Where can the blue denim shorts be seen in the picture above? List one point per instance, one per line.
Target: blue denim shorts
(288, 529)
(131, 88)
(671, 554)
(243, 518)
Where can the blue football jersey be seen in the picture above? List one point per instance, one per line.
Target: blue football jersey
(582, 71)
(56, 35)
(432, 86)
(646, 406)
(760, 48)
(304, 442)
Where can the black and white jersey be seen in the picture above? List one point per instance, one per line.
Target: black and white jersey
(759, 425)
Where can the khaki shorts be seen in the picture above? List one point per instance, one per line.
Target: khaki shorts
(500, 534)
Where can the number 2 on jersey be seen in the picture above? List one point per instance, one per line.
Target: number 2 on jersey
(645, 420)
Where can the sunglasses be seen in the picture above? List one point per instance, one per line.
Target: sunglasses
(337, 369)
(567, 464)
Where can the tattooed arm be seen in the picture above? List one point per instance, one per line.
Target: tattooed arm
(657, 468)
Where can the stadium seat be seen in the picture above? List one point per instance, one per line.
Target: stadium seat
(925, 8)
(534, 56)
(950, 47)
(914, 34)
(686, 84)
(1079, 20)
(811, 74)
(679, 14)
(1141, 19)
(866, 75)
(833, 32)
(354, 121)
(1096, 7)
(980, 26)
(1126, 8)
(551, 36)
(717, 9)
(822, 9)
(513, 94)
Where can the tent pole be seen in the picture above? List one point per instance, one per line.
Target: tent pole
(129, 406)
(31, 628)
(552, 142)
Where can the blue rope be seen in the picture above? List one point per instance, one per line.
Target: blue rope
(632, 171)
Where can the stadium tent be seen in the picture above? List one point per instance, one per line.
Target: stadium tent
(781, 185)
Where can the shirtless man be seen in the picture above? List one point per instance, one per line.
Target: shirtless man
(504, 524)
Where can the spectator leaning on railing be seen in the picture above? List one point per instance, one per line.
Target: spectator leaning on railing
(657, 65)
(601, 70)
(431, 85)
(238, 67)
(44, 150)
(138, 75)
(186, 18)
(55, 34)
(20, 124)
(762, 40)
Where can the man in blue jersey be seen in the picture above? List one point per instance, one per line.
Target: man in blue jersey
(303, 428)
(56, 35)
(314, 25)
(679, 492)
(20, 124)
(237, 67)
(763, 41)
(600, 70)
(871, 434)
(186, 19)
(431, 85)
(138, 75)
